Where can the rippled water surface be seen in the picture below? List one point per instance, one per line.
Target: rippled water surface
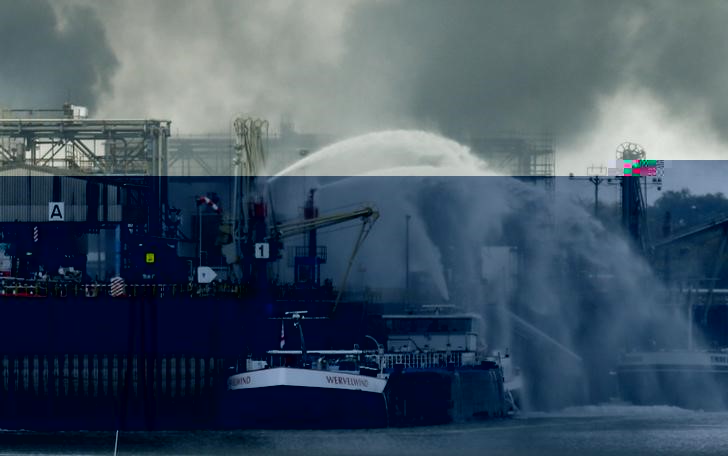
(585, 430)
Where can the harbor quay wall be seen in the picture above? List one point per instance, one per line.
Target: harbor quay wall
(141, 362)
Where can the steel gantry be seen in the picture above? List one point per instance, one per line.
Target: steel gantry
(98, 158)
(89, 146)
(133, 151)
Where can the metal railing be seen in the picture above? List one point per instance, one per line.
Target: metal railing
(42, 289)
(420, 360)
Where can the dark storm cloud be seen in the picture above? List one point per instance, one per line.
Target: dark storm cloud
(681, 52)
(44, 62)
(463, 67)
(200, 63)
(473, 66)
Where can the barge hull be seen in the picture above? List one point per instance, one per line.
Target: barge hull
(703, 389)
(445, 396)
(292, 407)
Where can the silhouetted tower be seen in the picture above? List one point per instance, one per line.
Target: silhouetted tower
(310, 211)
(250, 208)
(632, 201)
(309, 258)
(666, 233)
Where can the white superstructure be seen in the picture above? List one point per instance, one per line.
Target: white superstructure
(305, 378)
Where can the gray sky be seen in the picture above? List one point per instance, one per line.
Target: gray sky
(592, 73)
(699, 176)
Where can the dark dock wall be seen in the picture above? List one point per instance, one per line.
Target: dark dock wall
(107, 363)
(93, 392)
(157, 360)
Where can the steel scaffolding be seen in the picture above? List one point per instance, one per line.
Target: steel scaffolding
(109, 147)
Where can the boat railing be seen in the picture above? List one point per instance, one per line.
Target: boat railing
(421, 360)
(22, 290)
(63, 289)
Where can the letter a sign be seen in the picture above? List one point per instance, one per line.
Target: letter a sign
(56, 212)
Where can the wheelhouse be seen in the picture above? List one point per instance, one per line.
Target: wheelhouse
(432, 333)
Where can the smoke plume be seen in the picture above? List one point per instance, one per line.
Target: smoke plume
(592, 73)
(50, 56)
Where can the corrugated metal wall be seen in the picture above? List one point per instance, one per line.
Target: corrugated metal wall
(25, 194)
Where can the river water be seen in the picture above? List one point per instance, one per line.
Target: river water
(597, 430)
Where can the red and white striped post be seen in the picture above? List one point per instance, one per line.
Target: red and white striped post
(117, 287)
(209, 202)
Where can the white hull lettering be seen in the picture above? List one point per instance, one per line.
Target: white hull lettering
(337, 380)
(243, 380)
(306, 378)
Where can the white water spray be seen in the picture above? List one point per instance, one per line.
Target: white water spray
(391, 153)
(457, 207)
(385, 154)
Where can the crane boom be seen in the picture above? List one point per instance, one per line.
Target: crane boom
(713, 225)
(284, 230)
(368, 216)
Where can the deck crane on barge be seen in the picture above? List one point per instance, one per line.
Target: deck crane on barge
(258, 238)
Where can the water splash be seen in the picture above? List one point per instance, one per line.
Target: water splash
(391, 153)
(382, 154)
(616, 410)
(458, 206)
